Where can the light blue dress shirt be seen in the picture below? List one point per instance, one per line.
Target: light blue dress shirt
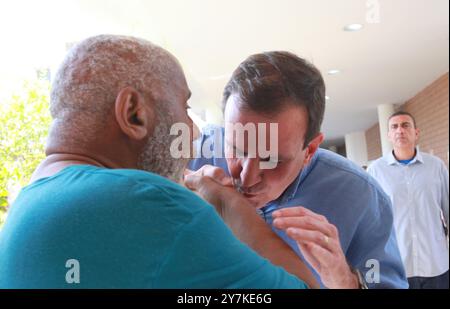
(419, 195)
(348, 197)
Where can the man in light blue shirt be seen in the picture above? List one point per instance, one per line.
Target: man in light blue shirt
(344, 229)
(417, 184)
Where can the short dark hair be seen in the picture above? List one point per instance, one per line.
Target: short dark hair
(400, 113)
(264, 81)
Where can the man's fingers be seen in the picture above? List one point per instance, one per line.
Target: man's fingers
(322, 256)
(305, 249)
(188, 172)
(216, 173)
(192, 181)
(305, 222)
(296, 212)
(308, 236)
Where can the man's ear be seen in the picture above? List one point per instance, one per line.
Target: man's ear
(312, 148)
(417, 134)
(134, 116)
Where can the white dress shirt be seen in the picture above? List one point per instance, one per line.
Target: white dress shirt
(419, 195)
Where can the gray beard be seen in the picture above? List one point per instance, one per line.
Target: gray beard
(156, 157)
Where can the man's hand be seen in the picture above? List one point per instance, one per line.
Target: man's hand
(214, 172)
(212, 184)
(319, 242)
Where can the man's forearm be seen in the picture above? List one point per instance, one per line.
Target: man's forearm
(245, 223)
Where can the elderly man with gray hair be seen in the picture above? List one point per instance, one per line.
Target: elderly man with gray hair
(100, 210)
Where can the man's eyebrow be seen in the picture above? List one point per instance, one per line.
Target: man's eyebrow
(189, 95)
(401, 123)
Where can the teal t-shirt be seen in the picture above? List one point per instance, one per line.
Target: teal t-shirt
(89, 227)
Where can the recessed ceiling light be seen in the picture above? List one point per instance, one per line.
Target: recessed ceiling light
(327, 97)
(353, 27)
(333, 72)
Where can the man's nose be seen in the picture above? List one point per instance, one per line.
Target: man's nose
(250, 173)
(400, 129)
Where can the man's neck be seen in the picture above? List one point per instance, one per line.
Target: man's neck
(404, 153)
(56, 162)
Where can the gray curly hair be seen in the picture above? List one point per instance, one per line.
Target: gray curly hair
(92, 74)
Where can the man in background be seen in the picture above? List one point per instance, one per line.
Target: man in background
(417, 184)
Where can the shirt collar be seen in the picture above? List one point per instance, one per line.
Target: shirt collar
(391, 160)
(291, 190)
(418, 157)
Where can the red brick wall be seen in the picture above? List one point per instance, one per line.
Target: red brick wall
(431, 110)
(373, 142)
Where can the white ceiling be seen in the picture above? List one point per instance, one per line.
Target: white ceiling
(386, 62)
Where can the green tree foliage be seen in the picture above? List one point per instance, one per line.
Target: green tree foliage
(24, 124)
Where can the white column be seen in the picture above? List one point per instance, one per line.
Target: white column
(384, 112)
(356, 147)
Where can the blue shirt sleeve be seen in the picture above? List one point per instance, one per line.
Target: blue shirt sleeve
(380, 262)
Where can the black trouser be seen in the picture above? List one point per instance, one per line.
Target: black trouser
(439, 282)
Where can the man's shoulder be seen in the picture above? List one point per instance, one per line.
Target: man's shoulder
(129, 178)
(150, 187)
(345, 171)
(337, 163)
(135, 176)
(431, 159)
(209, 148)
(211, 131)
(109, 188)
(347, 185)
